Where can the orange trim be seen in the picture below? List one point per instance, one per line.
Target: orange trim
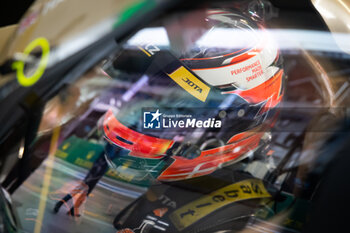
(142, 145)
(240, 58)
(209, 160)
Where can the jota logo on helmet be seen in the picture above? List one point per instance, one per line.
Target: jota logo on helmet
(157, 120)
(192, 84)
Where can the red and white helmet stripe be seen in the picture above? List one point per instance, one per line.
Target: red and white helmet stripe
(250, 62)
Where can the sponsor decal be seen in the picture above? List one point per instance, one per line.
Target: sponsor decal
(149, 49)
(158, 120)
(167, 201)
(196, 210)
(190, 83)
(255, 68)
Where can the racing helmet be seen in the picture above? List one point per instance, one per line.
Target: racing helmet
(192, 96)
